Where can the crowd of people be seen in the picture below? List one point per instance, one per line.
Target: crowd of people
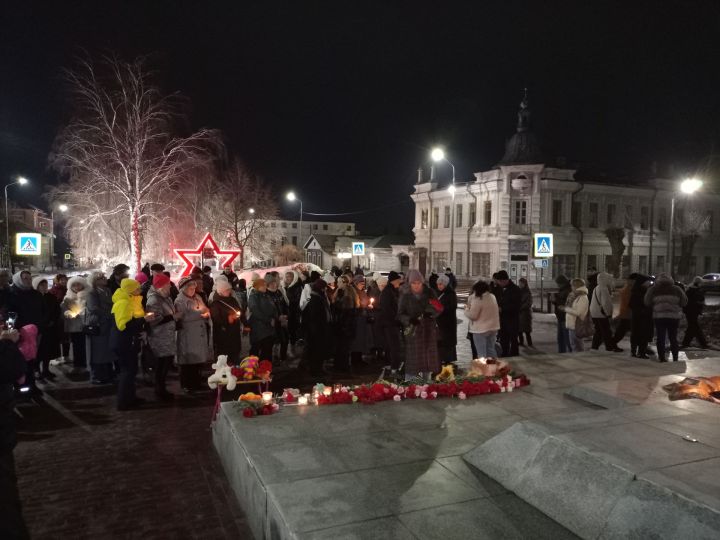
(648, 306)
(342, 319)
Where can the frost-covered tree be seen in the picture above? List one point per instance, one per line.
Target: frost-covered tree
(124, 154)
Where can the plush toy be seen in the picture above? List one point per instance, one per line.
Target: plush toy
(446, 375)
(248, 365)
(223, 374)
(488, 367)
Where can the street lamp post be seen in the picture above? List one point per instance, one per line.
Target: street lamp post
(439, 155)
(292, 198)
(63, 208)
(22, 181)
(687, 186)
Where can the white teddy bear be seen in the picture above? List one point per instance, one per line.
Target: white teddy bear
(223, 374)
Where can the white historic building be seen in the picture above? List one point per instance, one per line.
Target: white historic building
(496, 214)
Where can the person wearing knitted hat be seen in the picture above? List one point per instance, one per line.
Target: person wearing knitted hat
(226, 314)
(98, 328)
(193, 348)
(282, 309)
(387, 325)
(417, 312)
(73, 312)
(130, 320)
(161, 335)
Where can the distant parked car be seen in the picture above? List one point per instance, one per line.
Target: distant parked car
(711, 282)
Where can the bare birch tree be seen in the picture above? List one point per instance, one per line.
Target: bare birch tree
(121, 155)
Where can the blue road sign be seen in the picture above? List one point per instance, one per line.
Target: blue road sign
(543, 245)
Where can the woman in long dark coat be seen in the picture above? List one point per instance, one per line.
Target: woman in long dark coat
(51, 329)
(417, 316)
(316, 327)
(344, 309)
(641, 323)
(362, 340)
(447, 321)
(98, 323)
(226, 313)
(526, 303)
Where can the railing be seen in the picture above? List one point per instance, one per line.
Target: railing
(519, 228)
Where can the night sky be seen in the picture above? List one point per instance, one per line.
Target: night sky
(343, 100)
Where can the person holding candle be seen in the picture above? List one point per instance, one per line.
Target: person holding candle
(161, 331)
(225, 312)
(193, 347)
(362, 341)
(125, 339)
(73, 311)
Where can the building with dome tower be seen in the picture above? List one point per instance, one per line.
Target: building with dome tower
(617, 227)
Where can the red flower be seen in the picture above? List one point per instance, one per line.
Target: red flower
(267, 409)
(248, 412)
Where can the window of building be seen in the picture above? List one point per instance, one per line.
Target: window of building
(435, 217)
(315, 226)
(283, 225)
(458, 215)
(294, 240)
(283, 240)
(707, 266)
(593, 215)
(272, 224)
(643, 264)
(440, 259)
(611, 214)
(563, 264)
(644, 218)
(660, 266)
(629, 217)
(487, 213)
(592, 262)
(349, 228)
(557, 212)
(262, 237)
(325, 227)
(520, 212)
(458, 263)
(480, 263)
(576, 214)
(273, 242)
(423, 219)
(446, 217)
(294, 225)
(662, 219)
(472, 214)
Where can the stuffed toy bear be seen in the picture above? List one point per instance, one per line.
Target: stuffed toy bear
(223, 374)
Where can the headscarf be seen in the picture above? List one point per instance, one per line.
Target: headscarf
(443, 279)
(37, 280)
(127, 306)
(17, 281)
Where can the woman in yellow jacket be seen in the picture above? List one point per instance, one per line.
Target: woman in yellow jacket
(130, 320)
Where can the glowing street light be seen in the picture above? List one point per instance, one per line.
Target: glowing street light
(438, 154)
(251, 211)
(687, 186)
(292, 198)
(63, 207)
(690, 185)
(21, 180)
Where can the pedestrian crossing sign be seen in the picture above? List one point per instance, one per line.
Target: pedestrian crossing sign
(543, 245)
(27, 244)
(358, 248)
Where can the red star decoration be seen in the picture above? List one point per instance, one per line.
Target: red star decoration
(229, 254)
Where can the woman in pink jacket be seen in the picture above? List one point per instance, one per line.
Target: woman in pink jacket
(482, 310)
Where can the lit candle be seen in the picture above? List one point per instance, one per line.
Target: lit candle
(303, 400)
(372, 301)
(327, 391)
(267, 397)
(337, 388)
